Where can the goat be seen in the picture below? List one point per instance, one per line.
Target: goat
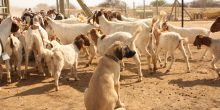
(168, 41)
(66, 56)
(188, 33)
(215, 26)
(7, 27)
(66, 32)
(35, 39)
(142, 42)
(213, 45)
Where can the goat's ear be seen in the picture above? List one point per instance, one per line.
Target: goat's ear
(79, 43)
(49, 46)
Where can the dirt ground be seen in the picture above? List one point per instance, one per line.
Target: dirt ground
(198, 90)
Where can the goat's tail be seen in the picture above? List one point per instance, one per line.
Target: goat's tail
(11, 42)
(136, 33)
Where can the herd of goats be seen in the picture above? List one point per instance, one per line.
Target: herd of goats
(57, 42)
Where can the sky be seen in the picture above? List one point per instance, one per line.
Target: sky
(32, 3)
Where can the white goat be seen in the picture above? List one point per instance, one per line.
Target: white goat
(66, 56)
(70, 21)
(67, 32)
(188, 33)
(14, 49)
(141, 42)
(213, 45)
(7, 27)
(168, 41)
(35, 39)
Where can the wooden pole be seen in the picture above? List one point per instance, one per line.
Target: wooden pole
(157, 7)
(185, 10)
(182, 13)
(58, 6)
(134, 8)
(175, 11)
(62, 7)
(87, 11)
(173, 6)
(144, 9)
(68, 7)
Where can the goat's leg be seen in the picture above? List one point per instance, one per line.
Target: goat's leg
(172, 60)
(40, 68)
(92, 51)
(18, 63)
(165, 60)
(56, 79)
(188, 51)
(26, 64)
(138, 63)
(204, 54)
(214, 61)
(7, 63)
(155, 58)
(74, 71)
(1, 72)
(86, 53)
(182, 49)
(159, 59)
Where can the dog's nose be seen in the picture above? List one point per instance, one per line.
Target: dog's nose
(130, 54)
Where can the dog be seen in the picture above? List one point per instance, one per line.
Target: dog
(103, 90)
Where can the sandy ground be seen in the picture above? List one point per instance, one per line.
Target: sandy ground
(198, 90)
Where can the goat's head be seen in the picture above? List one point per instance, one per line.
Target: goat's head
(14, 26)
(81, 40)
(94, 34)
(202, 40)
(165, 26)
(97, 15)
(216, 25)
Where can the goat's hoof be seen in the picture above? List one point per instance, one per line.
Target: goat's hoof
(77, 78)
(87, 65)
(57, 88)
(140, 79)
(43, 74)
(8, 80)
(122, 69)
(167, 71)
(155, 69)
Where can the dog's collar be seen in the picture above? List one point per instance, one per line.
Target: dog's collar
(112, 57)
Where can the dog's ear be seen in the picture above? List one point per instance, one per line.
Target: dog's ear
(119, 53)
